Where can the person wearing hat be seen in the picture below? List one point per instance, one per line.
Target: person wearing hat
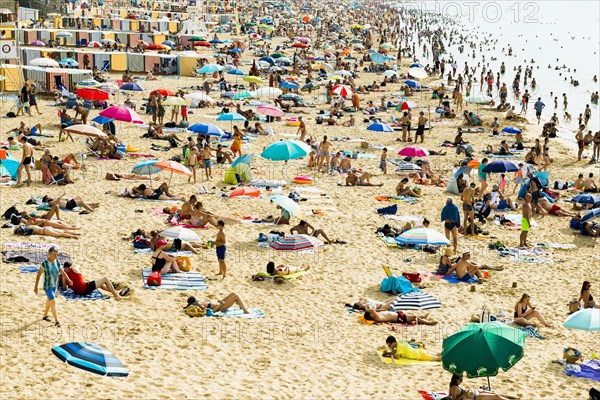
(451, 218)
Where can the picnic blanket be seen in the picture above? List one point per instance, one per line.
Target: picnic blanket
(589, 369)
(454, 279)
(70, 295)
(238, 313)
(29, 269)
(403, 361)
(28, 256)
(183, 281)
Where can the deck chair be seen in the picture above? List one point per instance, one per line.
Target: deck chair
(105, 67)
(87, 150)
(387, 271)
(48, 179)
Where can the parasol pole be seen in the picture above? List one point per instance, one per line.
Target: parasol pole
(489, 385)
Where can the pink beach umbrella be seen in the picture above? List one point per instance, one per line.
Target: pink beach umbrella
(122, 113)
(303, 40)
(413, 151)
(271, 111)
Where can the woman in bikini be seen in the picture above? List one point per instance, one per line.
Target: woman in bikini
(161, 193)
(201, 217)
(459, 393)
(23, 230)
(585, 298)
(396, 317)
(223, 305)
(524, 312)
(162, 262)
(364, 303)
(28, 221)
(282, 270)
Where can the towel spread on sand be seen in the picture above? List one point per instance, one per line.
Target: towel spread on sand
(29, 269)
(70, 295)
(588, 369)
(403, 361)
(182, 281)
(530, 331)
(182, 253)
(396, 199)
(290, 276)
(238, 313)
(454, 279)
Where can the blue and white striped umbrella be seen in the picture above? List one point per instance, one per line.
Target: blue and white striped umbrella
(416, 301)
(90, 357)
(590, 215)
(422, 236)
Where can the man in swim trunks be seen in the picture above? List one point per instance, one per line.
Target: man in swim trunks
(527, 213)
(554, 209)
(206, 154)
(589, 185)
(220, 247)
(395, 317)
(304, 228)
(580, 141)
(468, 198)
(465, 270)
(451, 218)
(26, 162)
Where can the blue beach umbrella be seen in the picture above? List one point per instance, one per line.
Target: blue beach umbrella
(146, 168)
(590, 215)
(412, 84)
(585, 320)
(231, 117)
(286, 150)
(169, 43)
(586, 198)
(11, 165)
(511, 129)
(69, 61)
(210, 69)
(500, 166)
(236, 50)
(215, 41)
(236, 72)
(132, 87)
(102, 120)
(380, 127)
(269, 60)
(90, 357)
(64, 34)
(416, 65)
(245, 159)
(378, 58)
(206, 129)
(288, 85)
(241, 95)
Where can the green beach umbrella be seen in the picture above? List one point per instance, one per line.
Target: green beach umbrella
(241, 95)
(483, 349)
(277, 55)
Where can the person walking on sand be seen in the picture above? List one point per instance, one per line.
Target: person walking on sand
(525, 220)
(51, 269)
(220, 246)
(451, 218)
(206, 154)
(26, 162)
(580, 142)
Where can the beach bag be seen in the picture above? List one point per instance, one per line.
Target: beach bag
(594, 394)
(8, 213)
(194, 311)
(573, 306)
(413, 277)
(154, 279)
(572, 355)
(390, 210)
(486, 316)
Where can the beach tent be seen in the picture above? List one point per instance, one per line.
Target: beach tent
(11, 165)
(240, 173)
(452, 187)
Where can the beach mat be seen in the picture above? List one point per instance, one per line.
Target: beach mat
(70, 295)
(403, 362)
(29, 269)
(238, 313)
(454, 279)
(183, 281)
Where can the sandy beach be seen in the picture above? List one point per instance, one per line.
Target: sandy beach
(308, 345)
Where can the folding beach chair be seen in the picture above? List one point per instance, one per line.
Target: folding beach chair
(87, 150)
(48, 179)
(387, 271)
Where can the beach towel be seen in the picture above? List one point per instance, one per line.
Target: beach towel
(405, 218)
(34, 257)
(70, 295)
(530, 331)
(403, 362)
(29, 269)
(396, 199)
(157, 212)
(238, 313)
(183, 281)
(397, 285)
(454, 279)
(589, 369)
(432, 395)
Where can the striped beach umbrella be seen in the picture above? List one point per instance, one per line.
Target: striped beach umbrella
(296, 243)
(416, 301)
(177, 232)
(407, 167)
(422, 236)
(90, 357)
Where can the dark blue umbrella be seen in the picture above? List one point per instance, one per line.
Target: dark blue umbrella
(90, 357)
(380, 127)
(132, 86)
(500, 166)
(215, 41)
(412, 84)
(416, 65)
(586, 198)
(236, 50)
(595, 213)
(511, 129)
(102, 120)
(236, 71)
(269, 60)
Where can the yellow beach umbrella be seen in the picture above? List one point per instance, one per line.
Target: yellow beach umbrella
(253, 79)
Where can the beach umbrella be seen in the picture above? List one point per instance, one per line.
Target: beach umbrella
(245, 159)
(386, 45)
(590, 215)
(343, 72)
(86, 130)
(176, 101)
(210, 69)
(90, 357)
(155, 46)
(235, 50)
(206, 129)
(122, 113)
(416, 301)
(64, 34)
(412, 84)
(390, 72)
(241, 95)
(406, 104)
(196, 39)
(107, 41)
(231, 117)
(587, 319)
(277, 55)
(199, 96)
(94, 43)
(102, 120)
(300, 46)
(173, 167)
(147, 167)
(289, 96)
(132, 87)
(92, 94)
(483, 349)
(500, 166)
(380, 127)
(267, 59)
(478, 99)
(270, 111)
(418, 73)
(416, 65)
(162, 92)
(178, 232)
(586, 198)
(474, 163)
(11, 165)
(169, 43)
(287, 204)
(413, 151)
(245, 192)
(253, 79)
(342, 90)
(296, 243)
(377, 58)
(303, 39)
(422, 236)
(310, 85)
(44, 62)
(69, 62)
(236, 72)
(286, 150)
(287, 85)
(511, 129)
(268, 92)
(37, 43)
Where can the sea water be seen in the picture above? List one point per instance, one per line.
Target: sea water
(552, 33)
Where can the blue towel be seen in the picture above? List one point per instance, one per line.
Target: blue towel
(397, 285)
(29, 269)
(589, 369)
(69, 295)
(237, 312)
(454, 279)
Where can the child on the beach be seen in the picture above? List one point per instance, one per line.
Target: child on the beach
(502, 183)
(383, 161)
(193, 162)
(518, 178)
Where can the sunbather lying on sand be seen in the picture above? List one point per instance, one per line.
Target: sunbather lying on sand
(282, 270)
(28, 221)
(161, 193)
(466, 269)
(23, 230)
(396, 317)
(459, 393)
(158, 241)
(134, 177)
(71, 203)
(223, 305)
(364, 303)
(402, 349)
(304, 228)
(554, 209)
(356, 178)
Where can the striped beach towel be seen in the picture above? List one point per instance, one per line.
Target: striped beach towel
(183, 281)
(70, 295)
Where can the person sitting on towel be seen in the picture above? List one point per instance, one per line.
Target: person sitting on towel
(396, 316)
(402, 349)
(83, 288)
